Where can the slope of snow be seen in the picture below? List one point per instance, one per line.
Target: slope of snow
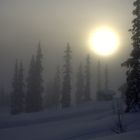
(125, 136)
(89, 121)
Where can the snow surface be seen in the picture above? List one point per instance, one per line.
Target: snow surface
(92, 121)
(125, 136)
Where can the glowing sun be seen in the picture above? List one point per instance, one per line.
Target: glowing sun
(104, 41)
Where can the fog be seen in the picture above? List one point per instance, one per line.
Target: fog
(54, 23)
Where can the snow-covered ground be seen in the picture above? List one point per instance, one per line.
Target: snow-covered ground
(93, 121)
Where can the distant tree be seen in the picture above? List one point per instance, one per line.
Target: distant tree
(79, 86)
(133, 64)
(35, 84)
(38, 79)
(17, 95)
(66, 88)
(87, 92)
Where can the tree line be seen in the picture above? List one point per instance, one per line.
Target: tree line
(28, 93)
(31, 99)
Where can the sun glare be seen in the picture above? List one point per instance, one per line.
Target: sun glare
(104, 41)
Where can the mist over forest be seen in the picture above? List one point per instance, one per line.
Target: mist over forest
(69, 69)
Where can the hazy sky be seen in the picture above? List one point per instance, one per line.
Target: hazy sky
(55, 22)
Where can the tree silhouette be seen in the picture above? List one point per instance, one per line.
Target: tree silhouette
(38, 79)
(35, 83)
(66, 89)
(17, 95)
(133, 64)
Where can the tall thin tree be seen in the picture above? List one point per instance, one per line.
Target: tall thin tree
(17, 95)
(38, 78)
(133, 64)
(66, 89)
(35, 83)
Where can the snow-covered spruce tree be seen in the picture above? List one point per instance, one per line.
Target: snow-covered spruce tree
(133, 64)
(17, 95)
(87, 90)
(66, 87)
(79, 85)
(35, 84)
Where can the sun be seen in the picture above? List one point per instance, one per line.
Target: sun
(104, 41)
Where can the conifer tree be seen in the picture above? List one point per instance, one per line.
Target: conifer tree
(87, 92)
(133, 64)
(35, 83)
(38, 79)
(79, 86)
(66, 89)
(17, 95)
